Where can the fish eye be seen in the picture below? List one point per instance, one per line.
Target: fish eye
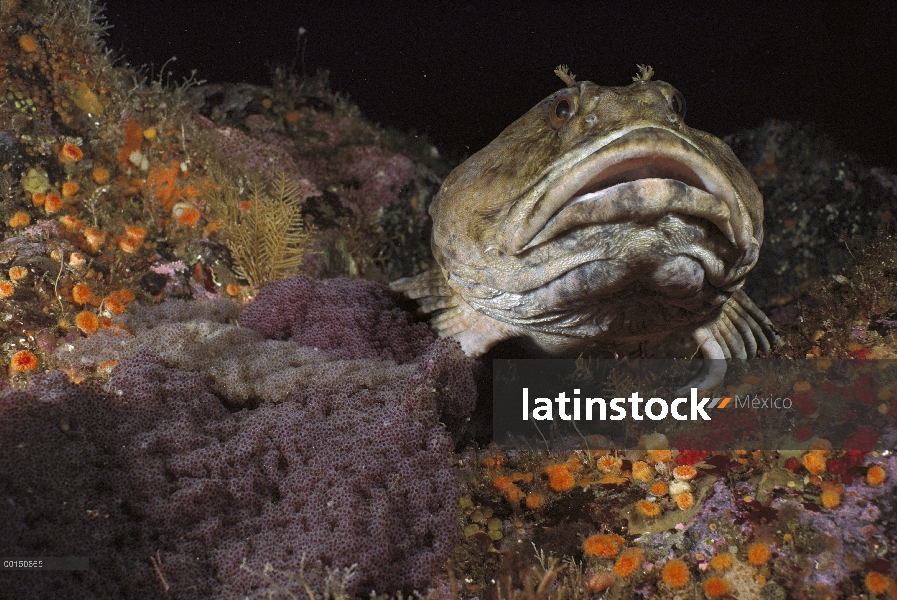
(562, 110)
(677, 102)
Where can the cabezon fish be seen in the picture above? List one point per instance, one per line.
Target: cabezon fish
(598, 217)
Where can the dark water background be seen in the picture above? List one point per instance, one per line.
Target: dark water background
(461, 71)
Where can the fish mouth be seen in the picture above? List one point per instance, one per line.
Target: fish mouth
(640, 175)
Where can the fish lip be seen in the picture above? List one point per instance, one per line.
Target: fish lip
(648, 149)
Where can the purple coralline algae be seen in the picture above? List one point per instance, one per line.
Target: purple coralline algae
(348, 319)
(856, 531)
(345, 480)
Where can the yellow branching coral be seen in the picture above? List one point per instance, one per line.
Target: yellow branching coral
(265, 232)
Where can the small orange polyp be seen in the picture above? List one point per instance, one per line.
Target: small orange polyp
(134, 237)
(100, 175)
(23, 361)
(70, 153)
(70, 189)
(189, 217)
(81, 294)
(94, 238)
(20, 219)
(52, 203)
(87, 322)
(28, 43)
(113, 305)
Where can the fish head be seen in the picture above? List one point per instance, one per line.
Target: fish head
(599, 215)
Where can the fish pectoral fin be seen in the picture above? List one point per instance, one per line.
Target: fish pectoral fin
(750, 324)
(739, 331)
(452, 316)
(476, 332)
(429, 289)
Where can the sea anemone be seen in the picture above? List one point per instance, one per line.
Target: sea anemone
(879, 583)
(72, 223)
(678, 486)
(7, 289)
(501, 482)
(113, 305)
(559, 478)
(831, 498)
(23, 361)
(685, 501)
(675, 574)
(685, 473)
(758, 553)
(20, 219)
(716, 587)
(70, 153)
(100, 175)
(52, 203)
(514, 494)
(609, 464)
(77, 260)
(628, 562)
(603, 545)
(134, 237)
(648, 508)
(602, 581)
(124, 295)
(875, 476)
(814, 462)
(642, 471)
(658, 488)
(189, 216)
(660, 455)
(81, 293)
(70, 188)
(28, 43)
(87, 322)
(18, 273)
(94, 238)
(721, 562)
(534, 500)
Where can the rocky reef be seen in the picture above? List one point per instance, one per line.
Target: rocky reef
(207, 390)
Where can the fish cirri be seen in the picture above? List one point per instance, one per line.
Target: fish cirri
(597, 218)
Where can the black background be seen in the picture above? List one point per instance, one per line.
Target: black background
(461, 71)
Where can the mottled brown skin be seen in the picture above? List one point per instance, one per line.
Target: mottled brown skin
(597, 217)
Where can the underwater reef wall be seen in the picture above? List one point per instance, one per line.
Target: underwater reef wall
(117, 187)
(200, 427)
